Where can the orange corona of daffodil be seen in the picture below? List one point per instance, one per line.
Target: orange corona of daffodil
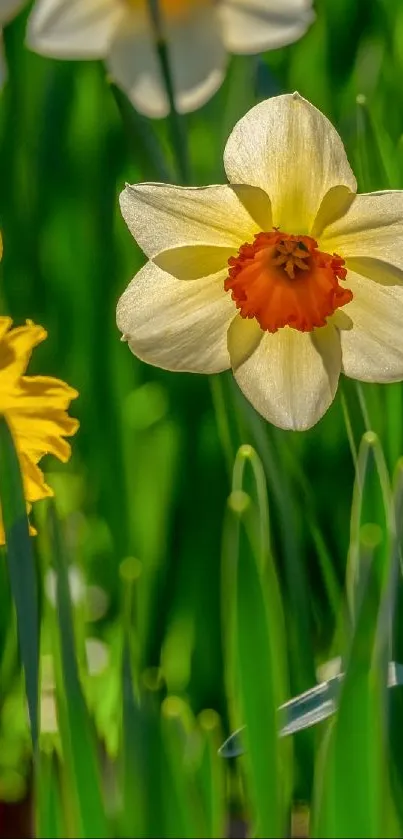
(35, 408)
(286, 275)
(198, 35)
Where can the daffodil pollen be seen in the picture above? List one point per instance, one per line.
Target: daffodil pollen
(285, 280)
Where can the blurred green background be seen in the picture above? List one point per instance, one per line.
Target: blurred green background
(142, 504)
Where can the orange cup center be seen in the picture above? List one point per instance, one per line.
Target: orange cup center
(285, 280)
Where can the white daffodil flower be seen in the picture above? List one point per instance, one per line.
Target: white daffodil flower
(198, 34)
(8, 10)
(286, 274)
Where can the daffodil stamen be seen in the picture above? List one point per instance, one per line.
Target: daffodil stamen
(285, 280)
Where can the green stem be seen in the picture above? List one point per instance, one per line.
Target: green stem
(222, 420)
(176, 122)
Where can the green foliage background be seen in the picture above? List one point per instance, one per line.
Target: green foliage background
(142, 505)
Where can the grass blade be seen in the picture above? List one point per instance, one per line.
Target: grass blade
(352, 793)
(77, 732)
(211, 774)
(49, 811)
(259, 678)
(21, 568)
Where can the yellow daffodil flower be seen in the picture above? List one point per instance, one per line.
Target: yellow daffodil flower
(286, 274)
(35, 408)
(199, 33)
(8, 10)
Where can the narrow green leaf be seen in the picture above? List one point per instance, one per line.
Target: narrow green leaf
(21, 568)
(78, 735)
(212, 775)
(182, 799)
(395, 716)
(259, 677)
(370, 159)
(48, 810)
(132, 755)
(352, 779)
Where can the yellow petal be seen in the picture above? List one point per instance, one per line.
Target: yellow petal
(252, 26)
(244, 337)
(42, 433)
(335, 203)
(46, 391)
(375, 269)
(372, 350)
(197, 59)
(35, 487)
(288, 148)
(162, 216)
(37, 411)
(34, 406)
(175, 324)
(15, 351)
(74, 28)
(372, 227)
(291, 378)
(194, 261)
(5, 324)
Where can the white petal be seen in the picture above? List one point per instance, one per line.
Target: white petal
(198, 56)
(134, 65)
(161, 216)
(371, 227)
(288, 148)
(9, 9)
(252, 26)
(74, 28)
(291, 378)
(372, 351)
(175, 324)
(196, 53)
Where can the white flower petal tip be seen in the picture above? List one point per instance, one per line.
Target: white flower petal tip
(291, 378)
(9, 9)
(176, 325)
(373, 349)
(74, 29)
(259, 25)
(162, 217)
(287, 147)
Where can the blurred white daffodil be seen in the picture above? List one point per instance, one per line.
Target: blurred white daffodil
(285, 275)
(8, 10)
(198, 34)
